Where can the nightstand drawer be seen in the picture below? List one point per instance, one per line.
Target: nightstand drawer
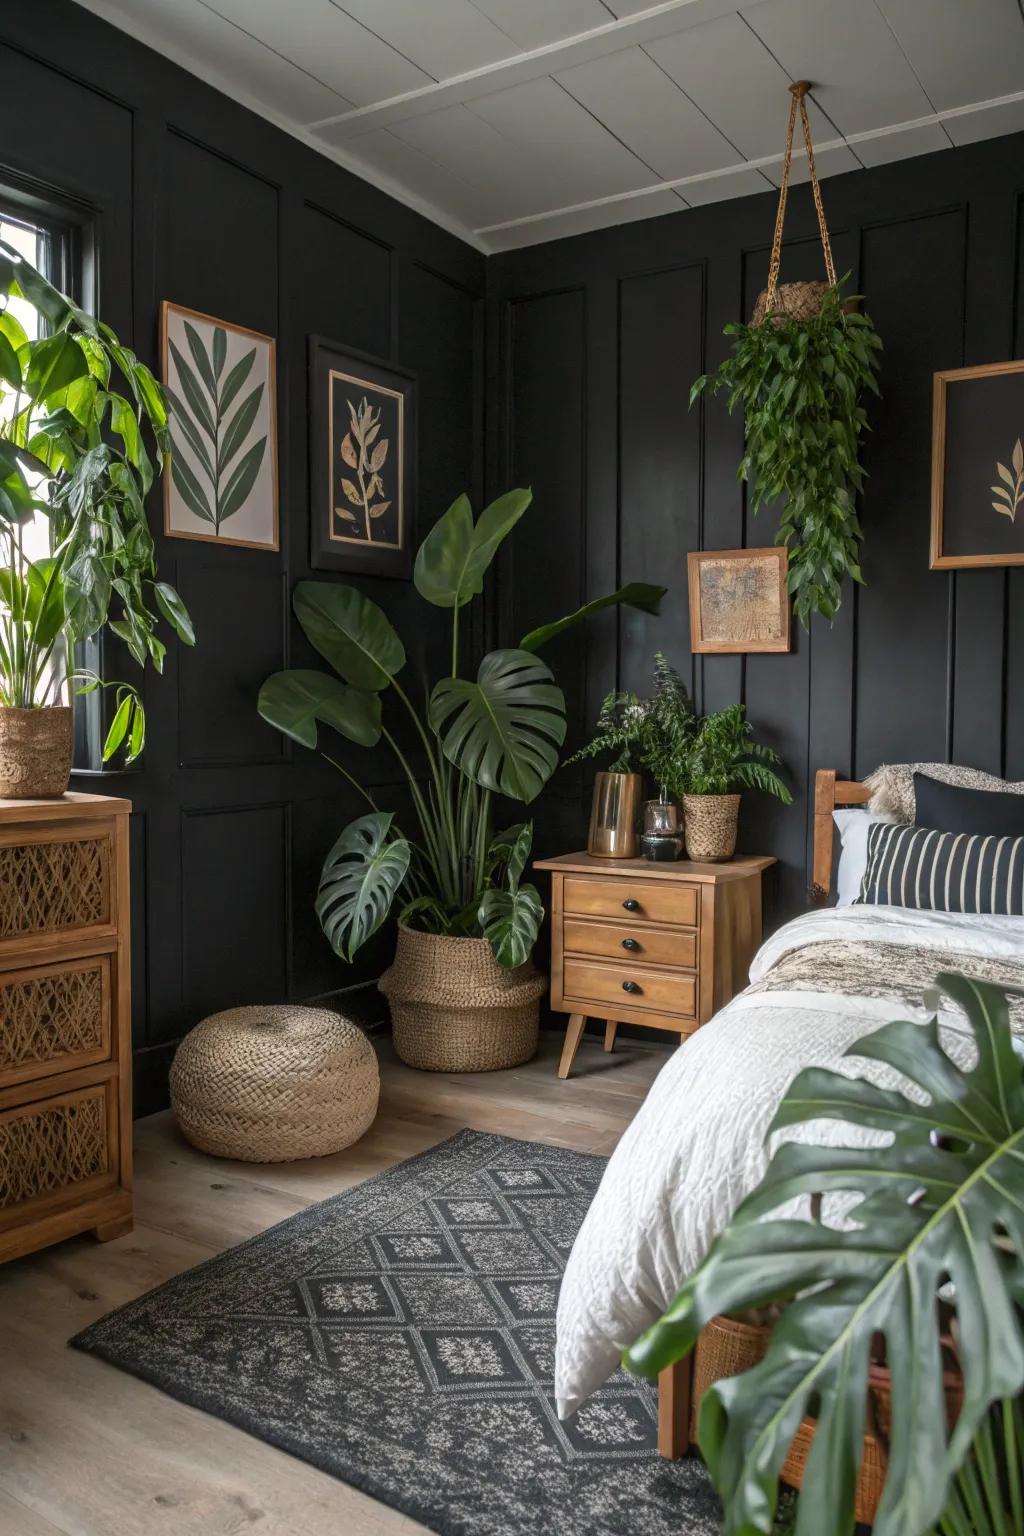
(651, 901)
(631, 942)
(624, 986)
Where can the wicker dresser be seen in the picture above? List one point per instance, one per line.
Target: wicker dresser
(663, 945)
(65, 1027)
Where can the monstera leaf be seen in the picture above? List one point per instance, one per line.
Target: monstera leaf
(294, 702)
(504, 730)
(511, 849)
(359, 881)
(943, 1200)
(511, 922)
(636, 594)
(350, 632)
(455, 555)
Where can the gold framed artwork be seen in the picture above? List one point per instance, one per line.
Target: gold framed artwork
(738, 600)
(221, 382)
(362, 462)
(978, 466)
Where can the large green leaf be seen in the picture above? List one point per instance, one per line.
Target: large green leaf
(511, 922)
(239, 426)
(930, 1210)
(350, 632)
(504, 730)
(294, 702)
(174, 611)
(509, 851)
(361, 876)
(45, 604)
(636, 594)
(195, 396)
(455, 555)
(242, 480)
(52, 365)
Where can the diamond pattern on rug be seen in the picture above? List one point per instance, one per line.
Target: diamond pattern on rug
(401, 1336)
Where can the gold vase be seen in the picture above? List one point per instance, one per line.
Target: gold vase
(613, 817)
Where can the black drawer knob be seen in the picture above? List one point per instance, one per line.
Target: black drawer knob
(631, 904)
(630, 944)
(631, 986)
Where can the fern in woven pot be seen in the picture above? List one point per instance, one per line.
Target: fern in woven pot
(920, 1263)
(76, 554)
(462, 990)
(721, 759)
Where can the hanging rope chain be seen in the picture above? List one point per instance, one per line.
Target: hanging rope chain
(799, 90)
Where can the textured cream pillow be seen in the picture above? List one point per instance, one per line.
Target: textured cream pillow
(892, 785)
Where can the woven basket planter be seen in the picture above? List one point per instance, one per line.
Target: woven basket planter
(35, 752)
(455, 1009)
(791, 301)
(710, 822)
(731, 1345)
(268, 1085)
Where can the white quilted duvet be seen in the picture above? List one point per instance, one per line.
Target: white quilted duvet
(697, 1145)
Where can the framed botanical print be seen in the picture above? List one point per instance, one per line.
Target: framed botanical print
(738, 600)
(362, 461)
(221, 382)
(978, 466)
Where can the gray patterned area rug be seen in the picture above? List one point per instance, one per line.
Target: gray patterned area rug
(401, 1336)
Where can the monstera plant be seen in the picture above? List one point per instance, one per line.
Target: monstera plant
(493, 734)
(932, 1254)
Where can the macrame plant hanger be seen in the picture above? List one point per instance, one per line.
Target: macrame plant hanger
(796, 301)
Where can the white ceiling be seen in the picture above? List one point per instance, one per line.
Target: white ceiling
(514, 121)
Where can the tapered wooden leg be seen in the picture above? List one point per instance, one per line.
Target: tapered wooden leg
(674, 1386)
(573, 1036)
(107, 1231)
(611, 1025)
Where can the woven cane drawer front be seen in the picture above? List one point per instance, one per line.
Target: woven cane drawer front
(54, 885)
(53, 1145)
(54, 1018)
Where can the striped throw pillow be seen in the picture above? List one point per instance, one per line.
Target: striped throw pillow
(943, 871)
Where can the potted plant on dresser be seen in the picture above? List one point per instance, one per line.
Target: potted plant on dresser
(462, 991)
(74, 541)
(722, 759)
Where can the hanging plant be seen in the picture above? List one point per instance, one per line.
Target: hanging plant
(799, 371)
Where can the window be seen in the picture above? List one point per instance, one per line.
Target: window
(55, 244)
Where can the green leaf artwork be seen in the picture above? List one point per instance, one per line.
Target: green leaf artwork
(218, 423)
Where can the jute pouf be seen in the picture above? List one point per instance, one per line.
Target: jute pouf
(455, 1009)
(268, 1085)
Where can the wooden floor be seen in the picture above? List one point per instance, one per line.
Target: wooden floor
(86, 1450)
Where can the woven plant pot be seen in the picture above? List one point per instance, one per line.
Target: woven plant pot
(455, 1009)
(268, 1085)
(730, 1345)
(793, 301)
(710, 822)
(35, 752)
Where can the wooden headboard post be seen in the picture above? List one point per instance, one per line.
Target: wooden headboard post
(828, 793)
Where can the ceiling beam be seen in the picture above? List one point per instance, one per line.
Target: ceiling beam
(662, 20)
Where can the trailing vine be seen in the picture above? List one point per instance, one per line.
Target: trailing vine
(800, 384)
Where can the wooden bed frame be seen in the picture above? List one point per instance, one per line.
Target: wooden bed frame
(675, 1385)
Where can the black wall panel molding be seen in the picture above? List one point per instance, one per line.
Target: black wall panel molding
(918, 664)
(196, 200)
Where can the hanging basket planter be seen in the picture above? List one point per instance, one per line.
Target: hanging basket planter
(780, 302)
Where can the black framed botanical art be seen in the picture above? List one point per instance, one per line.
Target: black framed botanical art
(978, 467)
(362, 461)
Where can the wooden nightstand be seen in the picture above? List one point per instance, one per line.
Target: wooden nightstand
(662, 945)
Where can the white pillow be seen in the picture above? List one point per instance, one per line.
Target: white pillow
(853, 827)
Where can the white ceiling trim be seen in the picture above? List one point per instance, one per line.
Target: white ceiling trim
(108, 11)
(680, 183)
(664, 20)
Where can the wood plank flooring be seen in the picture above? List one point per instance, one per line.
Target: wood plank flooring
(86, 1450)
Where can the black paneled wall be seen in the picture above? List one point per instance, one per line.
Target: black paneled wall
(196, 200)
(596, 341)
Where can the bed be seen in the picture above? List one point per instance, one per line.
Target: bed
(697, 1146)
